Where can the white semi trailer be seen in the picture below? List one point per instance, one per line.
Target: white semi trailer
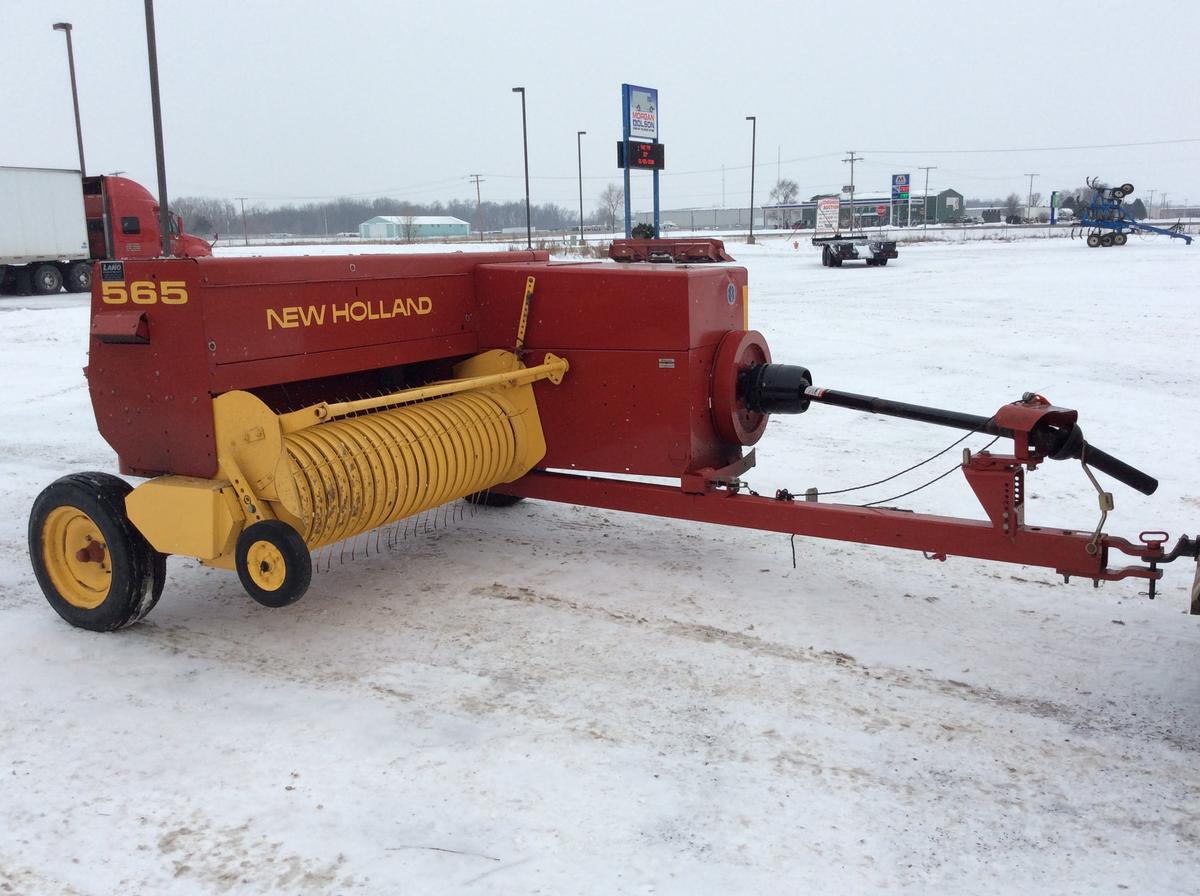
(43, 228)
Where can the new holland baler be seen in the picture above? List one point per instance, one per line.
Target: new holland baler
(279, 405)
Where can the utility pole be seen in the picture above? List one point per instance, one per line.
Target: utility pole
(245, 238)
(579, 152)
(1029, 205)
(1163, 205)
(478, 178)
(927, 169)
(1150, 207)
(65, 27)
(525, 145)
(753, 119)
(853, 158)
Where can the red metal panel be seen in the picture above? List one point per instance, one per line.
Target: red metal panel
(152, 401)
(640, 342)
(642, 412)
(610, 306)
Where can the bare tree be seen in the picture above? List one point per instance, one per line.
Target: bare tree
(1012, 207)
(408, 226)
(612, 200)
(784, 193)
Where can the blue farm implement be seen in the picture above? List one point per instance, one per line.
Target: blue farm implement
(1108, 223)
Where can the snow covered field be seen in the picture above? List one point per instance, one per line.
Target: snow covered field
(560, 700)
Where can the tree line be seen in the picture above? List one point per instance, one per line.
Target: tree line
(206, 216)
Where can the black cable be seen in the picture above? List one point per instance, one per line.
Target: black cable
(930, 482)
(954, 444)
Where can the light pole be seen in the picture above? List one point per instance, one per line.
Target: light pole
(525, 144)
(164, 209)
(1029, 205)
(753, 144)
(579, 152)
(65, 27)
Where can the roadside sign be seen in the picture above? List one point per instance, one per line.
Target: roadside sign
(643, 113)
(828, 212)
(900, 186)
(647, 156)
(881, 211)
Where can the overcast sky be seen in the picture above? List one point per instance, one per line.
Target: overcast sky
(288, 101)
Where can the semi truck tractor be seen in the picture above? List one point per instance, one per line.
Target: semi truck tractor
(55, 224)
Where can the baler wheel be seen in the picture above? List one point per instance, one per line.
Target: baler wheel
(1093, 240)
(1120, 239)
(273, 563)
(492, 499)
(95, 568)
(47, 280)
(1106, 240)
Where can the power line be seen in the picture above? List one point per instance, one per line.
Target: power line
(1030, 148)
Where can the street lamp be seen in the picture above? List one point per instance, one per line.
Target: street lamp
(525, 143)
(753, 141)
(65, 27)
(579, 151)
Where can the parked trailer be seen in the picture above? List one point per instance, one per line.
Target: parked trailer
(43, 230)
(837, 248)
(55, 224)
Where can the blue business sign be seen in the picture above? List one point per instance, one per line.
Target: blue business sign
(900, 186)
(642, 123)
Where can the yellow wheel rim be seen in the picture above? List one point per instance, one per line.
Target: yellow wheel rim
(266, 566)
(76, 557)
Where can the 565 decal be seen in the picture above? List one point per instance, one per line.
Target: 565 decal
(144, 292)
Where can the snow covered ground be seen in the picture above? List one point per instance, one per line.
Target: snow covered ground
(554, 700)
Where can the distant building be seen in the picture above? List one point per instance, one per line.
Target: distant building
(412, 227)
(872, 211)
(701, 218)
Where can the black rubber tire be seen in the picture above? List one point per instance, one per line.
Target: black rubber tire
(1093, 240)
(492, 499)
(138, 571)
(1106, 240)
(825, 256)
(297, 562)
(47, 279)
(79, 277)
(835, 260)
(1118, 193)
(1120, 239)
(882, 262)
(1127, 188)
